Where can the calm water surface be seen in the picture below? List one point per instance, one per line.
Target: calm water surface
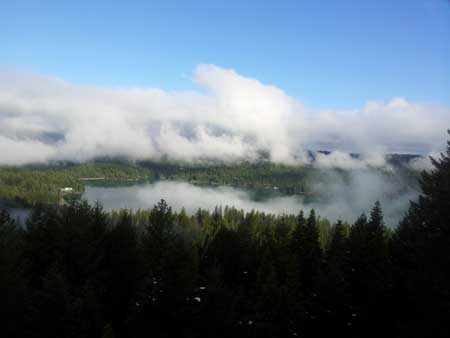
(347, 205)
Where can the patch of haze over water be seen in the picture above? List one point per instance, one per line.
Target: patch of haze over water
(347, 196)
(338, 198)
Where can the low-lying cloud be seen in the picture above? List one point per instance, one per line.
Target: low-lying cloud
(230, 117)
(335, 198)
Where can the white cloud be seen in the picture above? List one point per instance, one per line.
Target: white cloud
(227, 147)
(233, 117)
(423, 162)
(18, 152)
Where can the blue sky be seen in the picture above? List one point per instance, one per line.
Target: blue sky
(328, 54)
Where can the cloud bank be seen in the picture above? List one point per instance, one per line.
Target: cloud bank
(230, 117)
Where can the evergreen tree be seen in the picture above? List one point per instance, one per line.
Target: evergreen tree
(298, 245)
(376, 222)
(368, 274)
(421, 256)
(298, 237)
(311, 265)
(76, 271)
(120, 272)
(337, 251)
(159, 233)
(12, 281)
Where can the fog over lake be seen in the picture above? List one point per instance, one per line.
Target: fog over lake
(336, 200)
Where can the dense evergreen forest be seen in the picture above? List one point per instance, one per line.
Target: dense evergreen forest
(288, 179)
(76, 271)
(31, 185)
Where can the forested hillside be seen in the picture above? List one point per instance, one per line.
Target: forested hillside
(286, 178)
(43, 185)
(31, 185)
(75, 271)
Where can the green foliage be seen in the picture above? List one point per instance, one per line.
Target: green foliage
(76, 271)
(43, 185)
(420, 247)
(12, 283)
(264, 176)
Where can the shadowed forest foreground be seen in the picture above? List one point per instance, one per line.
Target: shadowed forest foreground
(76, 271)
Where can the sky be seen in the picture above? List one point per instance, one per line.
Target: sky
(201, 80)
(327, 54)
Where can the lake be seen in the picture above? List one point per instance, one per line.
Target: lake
(334, 197)
(16, 211)
(343, 202)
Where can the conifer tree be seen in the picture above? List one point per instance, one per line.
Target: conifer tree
(421, 255)
(159, 232)
(12, 282)
(336, 251)
(298, 237)
(311, 260)
(376, 221)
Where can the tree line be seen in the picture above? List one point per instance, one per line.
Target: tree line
(32, 185)
(288, 179)
(76, 271)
